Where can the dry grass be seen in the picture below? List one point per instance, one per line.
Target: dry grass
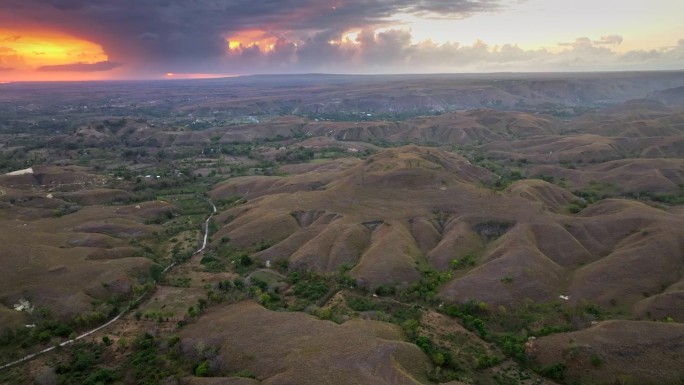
(617, 351)
(302, 349)
(66, 262)
(632, 175)
(409, 206)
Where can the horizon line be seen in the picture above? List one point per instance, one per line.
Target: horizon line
(224, 76)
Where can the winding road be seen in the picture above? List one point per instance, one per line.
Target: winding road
(86, 334)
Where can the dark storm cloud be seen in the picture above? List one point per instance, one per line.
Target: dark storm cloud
(452, 8)
(191, 34)
(150, 37)
(386, 47)
(81, 67)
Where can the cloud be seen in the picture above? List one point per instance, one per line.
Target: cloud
(609, 40)
(580, 42)
(149, 37)
(82, 67)
(6, 69)
(184, 35)
(446, 9)
(583, 53)
(10, 59)
(394, 51)
(385, 48)
(451, 8)
(10, 39)
(673, 55)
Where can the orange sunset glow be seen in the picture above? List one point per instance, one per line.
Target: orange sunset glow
(26, 52)
(251, 38)
(50, 48)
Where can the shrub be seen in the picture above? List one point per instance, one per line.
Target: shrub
(261, 284)
(466, 261)
(156, 272)
(425, 344)
(555, 371)
(309, 286)
(202, 370)
(360, 304)
(410, 327)
(486, 361)
(596, 360)
(383, 290)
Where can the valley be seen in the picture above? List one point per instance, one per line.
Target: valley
(377, 229)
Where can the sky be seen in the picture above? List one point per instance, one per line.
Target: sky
(46, 40)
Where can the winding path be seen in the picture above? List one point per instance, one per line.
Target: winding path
(204, 240)
(86, 334)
